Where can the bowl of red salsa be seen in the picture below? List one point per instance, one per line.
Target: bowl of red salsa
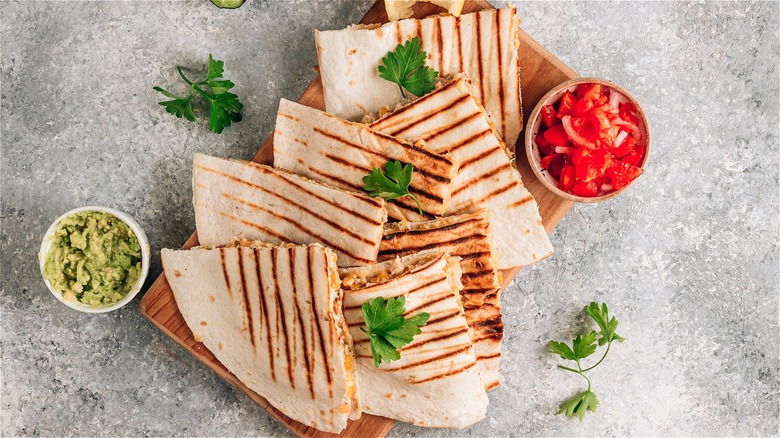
(587, 140)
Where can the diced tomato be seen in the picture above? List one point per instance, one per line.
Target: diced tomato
(567, 176)
(582, 107)
(567, 104)
(590, 92)
(587, 189)
(557, 166)
(635, 157)
(624, 148)
(548, 115)
(592, 165)
(623, 173)
(544, 146)
(556, 136)
(627, 112)
(600, 119)
(575, 136)
(546, 161)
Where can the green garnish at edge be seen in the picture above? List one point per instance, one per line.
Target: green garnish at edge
(582, 347)
(224, 107)
(387, 330)
(393, 184)
(405, 66)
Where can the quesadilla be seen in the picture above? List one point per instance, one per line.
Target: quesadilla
(318, 145)
(248, 200)
(482, 44)
(469, 237)
(272, 316)
(450, 121)
(436, 382)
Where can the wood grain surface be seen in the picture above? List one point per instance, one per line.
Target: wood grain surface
(539, 72)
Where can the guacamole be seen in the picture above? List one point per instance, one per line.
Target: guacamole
(94, 258)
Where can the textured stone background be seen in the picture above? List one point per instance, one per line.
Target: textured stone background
(687, 258)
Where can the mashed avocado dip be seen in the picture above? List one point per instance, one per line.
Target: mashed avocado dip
(94, 258)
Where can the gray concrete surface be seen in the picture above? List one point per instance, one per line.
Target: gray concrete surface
(687, 258)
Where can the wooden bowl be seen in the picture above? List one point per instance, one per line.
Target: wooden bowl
(534, 121)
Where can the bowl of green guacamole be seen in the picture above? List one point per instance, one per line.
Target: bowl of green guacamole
(94, 259)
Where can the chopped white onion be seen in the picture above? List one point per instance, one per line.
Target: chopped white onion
(620, 137)
(614, 99)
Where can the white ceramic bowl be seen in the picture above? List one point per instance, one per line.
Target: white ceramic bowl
(145, 256)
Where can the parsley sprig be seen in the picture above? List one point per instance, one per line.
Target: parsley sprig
(387, 330)
(393, 184)
(406, 67)
(224, 107)
(582, 347)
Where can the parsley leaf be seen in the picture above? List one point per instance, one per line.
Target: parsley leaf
(224, 107)
(387, 329)
(393, 184)
(579, 404)
(583, 346)
(406, 67)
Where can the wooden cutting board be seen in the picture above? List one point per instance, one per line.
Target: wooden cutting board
(539, 71)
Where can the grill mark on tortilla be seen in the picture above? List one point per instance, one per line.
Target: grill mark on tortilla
(431, 302)
(479, 157)
(407, 147)
(256, 226)
(492, 385)
(477, 273)
(411, 207)
(432, 359)
(313, 213)
(418, 30)
(449, 127)
(409, 107)
(325, 353)
(439, 42)
(288, 116)
(467, 141)
(264, 309)
(419, 231)
(300, 227)
(224, 271)
(489, 337)
(307, 358)
(500, 75)
(460, 44)
(457, 241)
(523, 201)
(339, 181)
(475, 291)
(447, 374)
(473, 255)
(281, 314)
(484, 176)
(303, 189)
(347, 163)
(424, 194)
(247, 305)
(412, 123)
(477, 27)
(414, 345)
(443, 318)
(399, 37)
(291, 267)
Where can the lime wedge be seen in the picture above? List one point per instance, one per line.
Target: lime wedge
(228, 4)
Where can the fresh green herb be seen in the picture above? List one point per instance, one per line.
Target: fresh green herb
(393, 184)
(583, 346)
(224, 107)
(406, 67)
(227, 4)
(387, 330)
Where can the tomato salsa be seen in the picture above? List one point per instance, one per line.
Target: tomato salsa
(590, 141)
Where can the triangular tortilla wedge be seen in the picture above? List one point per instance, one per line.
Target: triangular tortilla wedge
(248, 200)
(436, 382)
(272, 315)
(452, 122)
(482, 44)
(321, 146)
(469, 237)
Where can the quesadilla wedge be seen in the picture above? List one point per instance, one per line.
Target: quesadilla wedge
(436, 382)
(451, 121)
(482, 44)
(469, 237)
(272, 315)
(321, 146)
(242, 199)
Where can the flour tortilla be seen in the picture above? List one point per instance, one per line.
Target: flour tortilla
(451, 121)
(436, 382)
(482, 44)
(469, 237)
(321, 146)
(248, 200)
(272, 315)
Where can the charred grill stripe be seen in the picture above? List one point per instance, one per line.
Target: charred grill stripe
(400, 234)
(245, 293)
(489, 337)
(432, 359)
(465, 142)
(264, 309)
(281, 315)
(501, 103)
(346, 163)
(523, 201)
(414, 345)
(288, 116)
(443, 318)
(398, 35)
(473, 255)
(447, 295)
(415, 248)
(317, 323)
(298, 185)
(334, 179)
(439, 42)
(256, 226)
(447, 374)
(489, 356)
(477, 274)
(479, 157)
(424, 194)
(477, 27)
(453, 125)
(430, 113)
(379, 125)
(460, 44)
(308, 359)
(224, 271)
(485, 176)
(291, 268)
(476, 291)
